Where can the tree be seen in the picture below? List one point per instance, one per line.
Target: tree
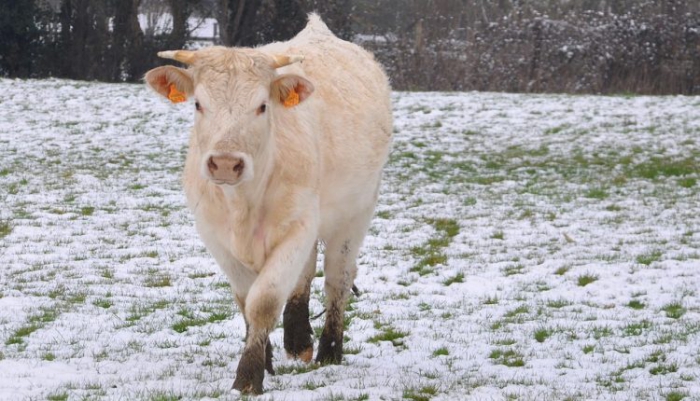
(126, 59)
(84, 40)
(19, 36)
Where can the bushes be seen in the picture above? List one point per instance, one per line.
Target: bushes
(585, 52)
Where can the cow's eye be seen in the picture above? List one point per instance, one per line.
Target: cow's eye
(197, 106)
(261, 109)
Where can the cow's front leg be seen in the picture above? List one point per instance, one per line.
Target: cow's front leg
(268, 349)
(298, 335)
(265, 299)
(251, 369)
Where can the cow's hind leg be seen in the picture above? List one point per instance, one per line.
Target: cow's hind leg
(298, 335)
(340, 270)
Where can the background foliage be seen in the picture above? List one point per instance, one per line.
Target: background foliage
(589, 46)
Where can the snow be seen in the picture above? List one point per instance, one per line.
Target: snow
(107, 293)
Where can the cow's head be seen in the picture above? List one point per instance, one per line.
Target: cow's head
(236, 92)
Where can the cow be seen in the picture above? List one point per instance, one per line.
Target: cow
(287, 151)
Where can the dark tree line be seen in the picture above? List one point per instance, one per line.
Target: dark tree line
(103, 40)
(583, 46)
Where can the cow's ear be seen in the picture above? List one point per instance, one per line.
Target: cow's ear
(171, 82)
(290, 89)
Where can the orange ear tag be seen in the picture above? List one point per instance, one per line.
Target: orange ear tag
(175, 95)
(292, 99)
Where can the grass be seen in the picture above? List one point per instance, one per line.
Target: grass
(649, 258)
(457, 278)
(18, 336)
(431, 253)
(520, 241)
(674, 310)
(389, 334)
(424, 393)
(5, 228)
(542, 334)
(507, 357)
(636, 304)
(586, 279)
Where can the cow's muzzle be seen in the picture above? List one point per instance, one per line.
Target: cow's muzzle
(227, 168)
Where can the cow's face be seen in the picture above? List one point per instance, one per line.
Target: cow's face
(236, 92)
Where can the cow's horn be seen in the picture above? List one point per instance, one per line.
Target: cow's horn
(281, 61)
(183, 56)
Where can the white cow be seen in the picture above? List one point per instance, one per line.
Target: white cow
(287, 150)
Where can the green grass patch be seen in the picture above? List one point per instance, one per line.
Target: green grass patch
(390, 334)
(586, 279)
(87, 211)
(542, 334)
(636, 304)
(596, 193)
(636, 329)
(517, 311)
(658, 166)
(664, 369)
(184, 324)
(424, 393)
(674, 310)
(62, 396)
(17, 337)
(507, 357)
(562, 270)
(675, 396)
(159, 280)
(5, 228)
(649, 257)
(457, 278)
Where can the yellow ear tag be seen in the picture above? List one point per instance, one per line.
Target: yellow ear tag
(292, 99)
(175, 95)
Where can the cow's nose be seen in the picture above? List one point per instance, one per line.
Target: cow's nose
(225, 168)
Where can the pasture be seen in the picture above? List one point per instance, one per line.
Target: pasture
(525, 247)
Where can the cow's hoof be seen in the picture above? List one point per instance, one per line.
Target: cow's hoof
(247, 386)
(304, 355)
(251, 372)
(298, 339)
(330, 352)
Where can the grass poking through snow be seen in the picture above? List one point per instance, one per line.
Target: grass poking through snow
(525, 247)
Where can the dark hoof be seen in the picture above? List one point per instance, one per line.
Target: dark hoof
(298, 339)
(298, 346)
(304, 356)
(247, 386)
(251, 372)
(330, 351)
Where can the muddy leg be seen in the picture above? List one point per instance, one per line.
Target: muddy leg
(340, 272)
(251, 369)
(298, 339)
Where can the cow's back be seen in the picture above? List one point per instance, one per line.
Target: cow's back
(352, 110)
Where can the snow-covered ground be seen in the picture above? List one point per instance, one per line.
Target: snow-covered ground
(530, 247)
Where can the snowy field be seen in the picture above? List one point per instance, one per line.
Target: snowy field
(525, 247)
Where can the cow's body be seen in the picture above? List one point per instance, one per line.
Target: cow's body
(293, 176)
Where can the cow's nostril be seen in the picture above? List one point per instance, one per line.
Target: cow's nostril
(211, 165)
(238, 167)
